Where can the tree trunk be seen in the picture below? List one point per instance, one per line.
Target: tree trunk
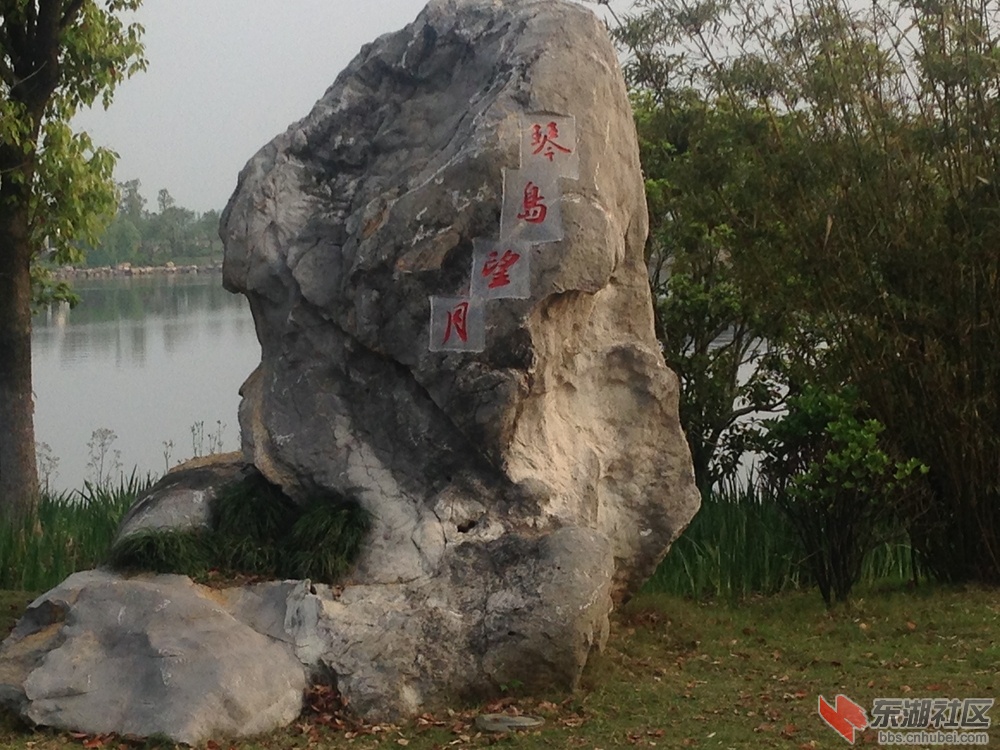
(18, 469)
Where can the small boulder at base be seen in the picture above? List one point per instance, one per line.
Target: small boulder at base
(181, 501)
(144, 656)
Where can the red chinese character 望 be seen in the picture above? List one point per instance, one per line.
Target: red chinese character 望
(534, 210)
(499, 267)
(457, 319)
(545, 142)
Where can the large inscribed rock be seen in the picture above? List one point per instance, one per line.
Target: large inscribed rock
(444, 261)
(344, 227)
(515, 490)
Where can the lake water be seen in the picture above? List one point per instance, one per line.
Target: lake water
(148, 358)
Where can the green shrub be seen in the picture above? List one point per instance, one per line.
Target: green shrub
(325, 540)
(186, 552)
(826, 467)
(256, 530)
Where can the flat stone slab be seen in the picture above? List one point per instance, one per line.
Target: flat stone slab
(507, 723)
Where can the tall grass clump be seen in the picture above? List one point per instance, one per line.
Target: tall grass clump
(325, 540)
(742, 543)
(737, 545)
(69, 531)
(249, 520)
(256, 530)
(174, 551)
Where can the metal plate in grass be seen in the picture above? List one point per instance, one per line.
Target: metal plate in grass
(506, 723)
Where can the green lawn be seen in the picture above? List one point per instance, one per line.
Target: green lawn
(678, 673)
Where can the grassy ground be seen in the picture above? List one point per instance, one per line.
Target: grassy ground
(679, 673)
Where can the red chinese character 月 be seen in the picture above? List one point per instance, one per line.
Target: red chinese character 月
(457, 320)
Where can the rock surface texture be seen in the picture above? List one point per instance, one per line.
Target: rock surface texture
(517, 487)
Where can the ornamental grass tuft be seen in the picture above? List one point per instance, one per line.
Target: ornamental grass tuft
(257, 531)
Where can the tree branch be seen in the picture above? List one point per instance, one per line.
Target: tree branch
(70, 13)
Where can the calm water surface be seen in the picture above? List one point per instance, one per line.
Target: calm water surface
(148, 358)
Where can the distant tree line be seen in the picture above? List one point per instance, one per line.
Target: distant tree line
(153, 238)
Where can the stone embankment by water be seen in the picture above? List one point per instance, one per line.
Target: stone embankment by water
(123, 270)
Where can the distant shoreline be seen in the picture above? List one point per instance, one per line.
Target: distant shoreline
(123, 270)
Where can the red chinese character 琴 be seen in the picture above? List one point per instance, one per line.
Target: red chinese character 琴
(534, 210)
(457, 319)
(545, 142)
(499, 267)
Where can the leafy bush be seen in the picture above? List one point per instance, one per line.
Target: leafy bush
(841, 490)
(834, 166)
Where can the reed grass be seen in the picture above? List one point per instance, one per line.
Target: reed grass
(737, 545)
(69, 531)
(740, 544)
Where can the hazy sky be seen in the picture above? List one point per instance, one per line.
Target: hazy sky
(225, 77)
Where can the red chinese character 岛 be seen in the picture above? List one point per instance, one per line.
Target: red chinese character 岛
(457, 318)
(534, 210)
(498, 267)
(545, 143)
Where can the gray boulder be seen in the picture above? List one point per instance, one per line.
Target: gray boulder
(182, 500)
(148, 655)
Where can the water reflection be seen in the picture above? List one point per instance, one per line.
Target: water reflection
(147, 357)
